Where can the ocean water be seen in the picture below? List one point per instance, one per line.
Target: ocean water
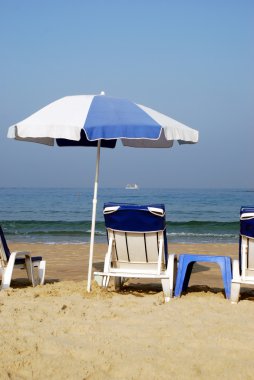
(63, 215)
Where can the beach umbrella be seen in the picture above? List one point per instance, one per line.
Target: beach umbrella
(100, 120)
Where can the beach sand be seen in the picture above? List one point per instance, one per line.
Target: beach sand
(59, 330)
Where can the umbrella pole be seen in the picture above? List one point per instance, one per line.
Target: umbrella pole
(90, 266)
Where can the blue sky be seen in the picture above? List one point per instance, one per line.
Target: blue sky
(190, 59)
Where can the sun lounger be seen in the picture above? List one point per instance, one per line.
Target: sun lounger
(137, 246)
(243, 269)
(22, 260)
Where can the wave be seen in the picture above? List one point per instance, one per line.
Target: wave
(197, 223)
(201, 234)
(42, 227)
(77, 231)
(204, 225)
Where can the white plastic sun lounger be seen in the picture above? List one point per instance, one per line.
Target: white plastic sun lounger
(243, 269)
(137, 246)
(22, 260)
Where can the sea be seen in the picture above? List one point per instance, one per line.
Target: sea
(63, 215)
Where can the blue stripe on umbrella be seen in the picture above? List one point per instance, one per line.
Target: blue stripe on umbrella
(111, 118)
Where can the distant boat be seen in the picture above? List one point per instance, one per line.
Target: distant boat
(131, 186)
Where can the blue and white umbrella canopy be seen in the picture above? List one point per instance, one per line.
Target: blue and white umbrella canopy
(99, 120)
(85, 119)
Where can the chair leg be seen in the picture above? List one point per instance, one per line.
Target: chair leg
(236, 270)
(235, 292)
(189, 267)
(6, 278)
(179, 279)
(167, 287)
(175, 271)
(168, 284)
(30, 270)
(183, 274)
(102, 280)
(41, 272)
(235, 285)
(7, 273)
(105, 281)
(118, 283)
(225, 267)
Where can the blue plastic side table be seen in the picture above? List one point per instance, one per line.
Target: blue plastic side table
(186, 262)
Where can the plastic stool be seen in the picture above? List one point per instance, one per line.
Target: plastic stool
(186, 262)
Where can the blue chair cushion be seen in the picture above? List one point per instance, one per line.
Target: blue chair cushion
(134, 218)
(247, 225)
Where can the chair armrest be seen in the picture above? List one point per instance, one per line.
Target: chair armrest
(20, 254)
(14, 255)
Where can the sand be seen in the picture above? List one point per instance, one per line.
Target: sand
(59, 330)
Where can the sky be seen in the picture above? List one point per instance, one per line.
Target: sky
(190, 59)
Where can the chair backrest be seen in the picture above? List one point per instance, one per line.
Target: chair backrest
(137, 232)
(246, 246)
(4, 250)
